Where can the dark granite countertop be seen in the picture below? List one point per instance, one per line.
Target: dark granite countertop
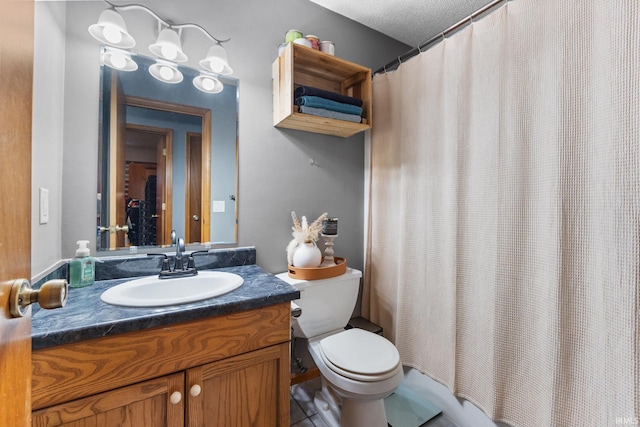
(85, 316)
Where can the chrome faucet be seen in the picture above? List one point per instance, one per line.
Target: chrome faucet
(178, 264)
(179, 269)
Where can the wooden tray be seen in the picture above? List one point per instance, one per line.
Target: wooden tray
(319, 272)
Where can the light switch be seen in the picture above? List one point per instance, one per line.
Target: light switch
(217, 206)
(44, 206)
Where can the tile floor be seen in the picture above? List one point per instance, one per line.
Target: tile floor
(303, 413)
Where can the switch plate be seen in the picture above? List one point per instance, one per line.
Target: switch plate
(217, 206)
(44, 206)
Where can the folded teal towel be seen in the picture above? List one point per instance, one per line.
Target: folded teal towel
(330, 114)
(314, 91)
(327, 104)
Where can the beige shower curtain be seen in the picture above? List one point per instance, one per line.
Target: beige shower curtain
(504, 235)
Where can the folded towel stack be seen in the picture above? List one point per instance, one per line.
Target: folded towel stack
(319, 102)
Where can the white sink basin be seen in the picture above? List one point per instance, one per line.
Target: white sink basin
(153, 292)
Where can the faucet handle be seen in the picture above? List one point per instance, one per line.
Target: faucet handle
(180, 244)
(191, 264)
(178, 265)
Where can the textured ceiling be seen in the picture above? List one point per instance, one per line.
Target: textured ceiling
(409, 21)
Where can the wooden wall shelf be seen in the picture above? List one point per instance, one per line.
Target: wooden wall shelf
(299, 65)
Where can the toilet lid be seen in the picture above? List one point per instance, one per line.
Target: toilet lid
(357, 354)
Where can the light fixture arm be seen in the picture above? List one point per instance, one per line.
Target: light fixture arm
(196, 26)
(160, 20)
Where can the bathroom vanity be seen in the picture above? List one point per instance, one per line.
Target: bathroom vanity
(218, 362)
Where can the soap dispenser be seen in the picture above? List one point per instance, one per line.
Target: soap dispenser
(83, 267)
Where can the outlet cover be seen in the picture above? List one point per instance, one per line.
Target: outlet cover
(217, 206)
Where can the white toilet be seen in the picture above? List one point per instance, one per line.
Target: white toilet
(358, 368)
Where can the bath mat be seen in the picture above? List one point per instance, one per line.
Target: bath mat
(405, 408)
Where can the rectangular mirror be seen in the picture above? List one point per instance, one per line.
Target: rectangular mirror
(167, 160)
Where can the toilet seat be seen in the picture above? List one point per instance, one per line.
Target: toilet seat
(360, 355)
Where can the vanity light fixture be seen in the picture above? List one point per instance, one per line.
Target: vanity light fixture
(111, 30)
(118, 59)
(208, 83)
(168, 46)
(216, 61)
(166, 72)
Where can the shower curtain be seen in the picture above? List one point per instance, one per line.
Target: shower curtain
(503, 247)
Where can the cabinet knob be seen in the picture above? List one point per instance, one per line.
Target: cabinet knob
(175, 397)
(195, 390)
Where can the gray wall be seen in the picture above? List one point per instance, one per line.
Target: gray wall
(279, 170)
(47, 135)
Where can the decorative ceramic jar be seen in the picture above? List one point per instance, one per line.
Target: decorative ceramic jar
(328, 47)
(307, 255)
(291, 35)
(315, 41)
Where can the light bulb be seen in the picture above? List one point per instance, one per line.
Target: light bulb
(217, 66)
(208, 84)
(166, 72)
(169, 52)
(112, 34)
(118, 61)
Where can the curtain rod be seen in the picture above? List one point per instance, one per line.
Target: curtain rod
(424, 46)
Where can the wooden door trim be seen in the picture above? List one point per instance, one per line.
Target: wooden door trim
(205, 228)
(235, 202)
(117, 129)
(154, 104)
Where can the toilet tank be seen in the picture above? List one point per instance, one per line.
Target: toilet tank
(327, 304)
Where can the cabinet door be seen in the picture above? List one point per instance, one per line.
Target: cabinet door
(149, 404)
(249, 390)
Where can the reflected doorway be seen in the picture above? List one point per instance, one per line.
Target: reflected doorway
(147, 194)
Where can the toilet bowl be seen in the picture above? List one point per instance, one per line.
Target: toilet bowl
(358, 368)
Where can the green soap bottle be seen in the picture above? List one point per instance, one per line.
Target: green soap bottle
(82, 269)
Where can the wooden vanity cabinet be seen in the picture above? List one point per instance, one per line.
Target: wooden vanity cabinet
(239, 391)
(145, 404)
(230, 370)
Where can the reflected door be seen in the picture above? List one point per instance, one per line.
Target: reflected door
(193, 201)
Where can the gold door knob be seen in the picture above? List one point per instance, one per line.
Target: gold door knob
(52, 294)
(124, 228)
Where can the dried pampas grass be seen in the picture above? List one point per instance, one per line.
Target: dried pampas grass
(303, 233)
